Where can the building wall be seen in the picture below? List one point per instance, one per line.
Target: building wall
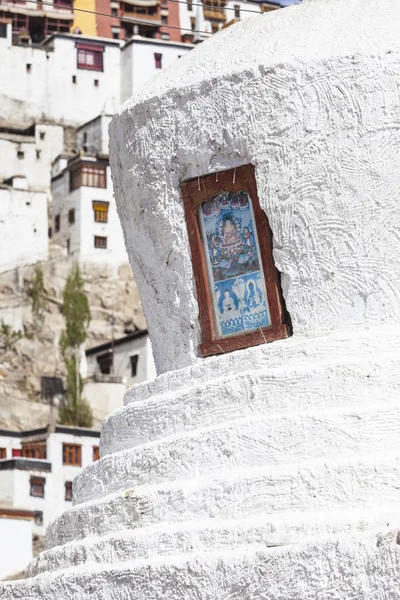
(83, 231)
(138, 62)
(47, 91)
(85, 21)
(96, 136)
(36, 168)
(104, 397)
(15, 483)
(23, 227)
(122, 366)
(15, 545)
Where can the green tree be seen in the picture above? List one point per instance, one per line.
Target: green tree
(8, 336)
(75, 309)
(38, 297)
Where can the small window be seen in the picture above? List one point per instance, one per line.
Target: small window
(165, 36)
(37, 486)
(50, 232)
(90, 57)
(100, 210)
(134, 364)
(100, 242)
(16, 452)
(68, 491)
(164, 19)
(214, 27)
(3, 30)
(28, 67)
(237, 11)
(57, 223)
(38, 154)
(73, 78)
(34, 450)
(3, 453)
(105, 362)
(193, 23)
(38, 517)
(72, 455)
(71, 216)
(238, 289)
(20, 154)
(190, 4)
(115, 36)
(68, 245)
(114, 12)
(96, 453)
(158, 60)
(42, 135)
(96, 83)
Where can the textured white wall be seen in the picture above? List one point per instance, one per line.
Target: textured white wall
(326, 157)
(23, 227)
(15, 545)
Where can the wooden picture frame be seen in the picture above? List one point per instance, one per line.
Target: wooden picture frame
(194, 193)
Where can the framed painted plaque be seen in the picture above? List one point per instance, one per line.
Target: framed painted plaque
(240, 301)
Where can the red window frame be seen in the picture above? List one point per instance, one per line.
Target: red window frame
(194, 193)
(90, 57)
(96, 453)
(3, 453)
(158, 60)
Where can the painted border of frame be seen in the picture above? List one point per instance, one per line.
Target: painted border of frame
(198, 190)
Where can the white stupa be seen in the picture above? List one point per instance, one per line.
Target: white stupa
(270, 472)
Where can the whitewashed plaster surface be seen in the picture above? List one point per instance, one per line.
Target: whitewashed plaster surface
(271, 472)
(308, 94)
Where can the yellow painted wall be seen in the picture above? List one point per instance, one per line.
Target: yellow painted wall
(85, 21)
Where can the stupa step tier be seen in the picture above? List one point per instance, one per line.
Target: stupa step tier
(272, 442)
(203, 535)
(252, 572)
(284, 377)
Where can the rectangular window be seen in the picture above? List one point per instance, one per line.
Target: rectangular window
(134, 364)
(68, 491)
(90, 57)
(3, 453)
(100, 242)
(100, 210)
(16, 452)
(190, 4)
(88, 175)
(238, 290)
(71, 216)
(105, 362)
(37, 486)
(158, 60)
(34, 450)
(96, 453)
(3, 30)
(72, 455)
(57, 223)
(20, 154)
(237, 11)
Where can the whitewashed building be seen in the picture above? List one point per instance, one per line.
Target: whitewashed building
(84, 217)
(113, 367)
(37, 468)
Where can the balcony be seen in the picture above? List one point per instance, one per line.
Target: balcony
(212, 13)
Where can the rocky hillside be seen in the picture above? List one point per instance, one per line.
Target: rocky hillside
(111, 293)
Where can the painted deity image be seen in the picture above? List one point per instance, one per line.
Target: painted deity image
(234, 265)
